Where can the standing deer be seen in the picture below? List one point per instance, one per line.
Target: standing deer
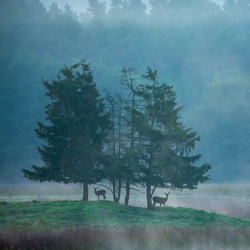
(160, 200)
(100, 192)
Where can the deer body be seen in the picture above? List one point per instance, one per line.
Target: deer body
(160, 200)
(100, 192)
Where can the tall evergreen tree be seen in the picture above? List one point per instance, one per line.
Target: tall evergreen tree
(166, 161)
(116, 12)
(54, 10)
(76, 131)
(97, 9)
(69, 12)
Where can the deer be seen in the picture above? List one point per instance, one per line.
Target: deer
(160, 200)
(100, 192)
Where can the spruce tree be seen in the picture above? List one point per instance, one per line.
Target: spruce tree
(97, 9)
(166, 161)
(75, 132)
(116, 12)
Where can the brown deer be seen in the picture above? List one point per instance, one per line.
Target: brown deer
(100, 192)
(160, 200)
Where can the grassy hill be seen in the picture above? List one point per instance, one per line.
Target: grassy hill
(107, 225)
(71, 214)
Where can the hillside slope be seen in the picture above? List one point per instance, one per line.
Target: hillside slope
(60, 214)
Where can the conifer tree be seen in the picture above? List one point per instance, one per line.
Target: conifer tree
(97, 9)
(116, 12)
(166, 161)
(54, 10)
(75, 132)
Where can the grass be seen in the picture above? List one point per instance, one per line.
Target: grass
(183, 224)
(71, 214)
(108, 225)
(230, 207)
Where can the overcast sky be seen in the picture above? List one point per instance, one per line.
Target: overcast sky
(81, 5)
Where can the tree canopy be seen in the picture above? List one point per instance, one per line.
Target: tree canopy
(76, 131)
(159, 146)
(137, 141)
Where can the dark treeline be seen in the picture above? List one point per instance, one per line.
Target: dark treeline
(199, 48)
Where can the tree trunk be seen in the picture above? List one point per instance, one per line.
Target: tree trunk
(127, 191)
(149, 201)
(116, 199)
(113, 184)
(85, 192)
(117, 190)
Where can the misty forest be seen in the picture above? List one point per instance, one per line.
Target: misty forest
(127, 99)
(196, 47)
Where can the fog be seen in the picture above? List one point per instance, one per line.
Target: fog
(82, 5)
(78, 5)
(201, 50)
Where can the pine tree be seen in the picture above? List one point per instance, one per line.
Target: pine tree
(97, 9)
(77, 126)
(54, 10)
(166, 161)
(116, 12)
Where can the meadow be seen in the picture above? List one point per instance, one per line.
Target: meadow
(212, 217)
(228, 199)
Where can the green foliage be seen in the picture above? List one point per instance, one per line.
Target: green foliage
(163, 144)
(78, 126)
(97, 8)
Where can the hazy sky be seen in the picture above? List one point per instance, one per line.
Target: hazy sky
(81, 5)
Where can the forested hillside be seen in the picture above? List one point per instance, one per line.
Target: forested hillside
(195, 45)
